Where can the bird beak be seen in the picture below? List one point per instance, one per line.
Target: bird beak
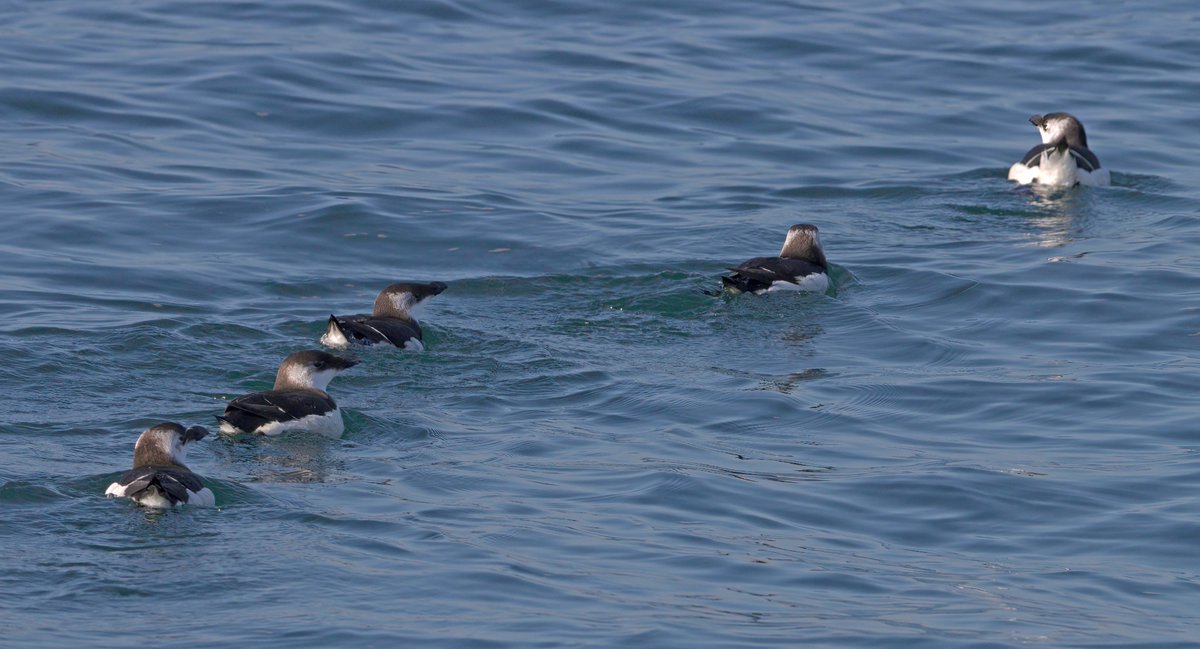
(195, 433)
(1038, 121)
(346, 362)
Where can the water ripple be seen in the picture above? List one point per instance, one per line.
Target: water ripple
(982, 435)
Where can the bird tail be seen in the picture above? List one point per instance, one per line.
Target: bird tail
(226, 424)
(334, 335)
(736, 283)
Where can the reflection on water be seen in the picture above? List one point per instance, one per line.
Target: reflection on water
(802, 333)
(788, 383)
(1061, 214)
(591, 451)
(293, 458)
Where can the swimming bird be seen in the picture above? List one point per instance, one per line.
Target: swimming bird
(800, 266)
(391, 321)
(159, 478)
(297, 402)
(1063, 157)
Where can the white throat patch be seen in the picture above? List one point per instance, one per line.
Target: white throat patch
(403, 302)
(1052, 131)
(307, 376)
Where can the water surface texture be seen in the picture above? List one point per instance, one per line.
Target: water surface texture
(984, 436)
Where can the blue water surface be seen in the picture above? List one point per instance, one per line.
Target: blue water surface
(985, 435)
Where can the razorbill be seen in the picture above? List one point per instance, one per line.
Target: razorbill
(1063, 157)
(390, 322)
(297, 402)
(800, 266)
(159, 478)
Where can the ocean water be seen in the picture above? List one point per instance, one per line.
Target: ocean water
(985, 435)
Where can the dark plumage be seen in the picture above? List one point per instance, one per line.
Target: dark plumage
(390, 322)
(1084, 158)
(801, 265)
(170, 482)
(1063, 158)
(159, 478)
(298, 399)
(253, 411)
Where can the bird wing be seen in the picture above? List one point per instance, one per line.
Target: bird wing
(367, 330)
(174, 481)
(776, 269)
(284, 405)
(1084, 158)
(1033, 157)
(134, 481)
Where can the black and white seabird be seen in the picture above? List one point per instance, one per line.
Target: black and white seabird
(800, 266)
(159, 478)
(1063, 157)
(390, 322)
(297, 402)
